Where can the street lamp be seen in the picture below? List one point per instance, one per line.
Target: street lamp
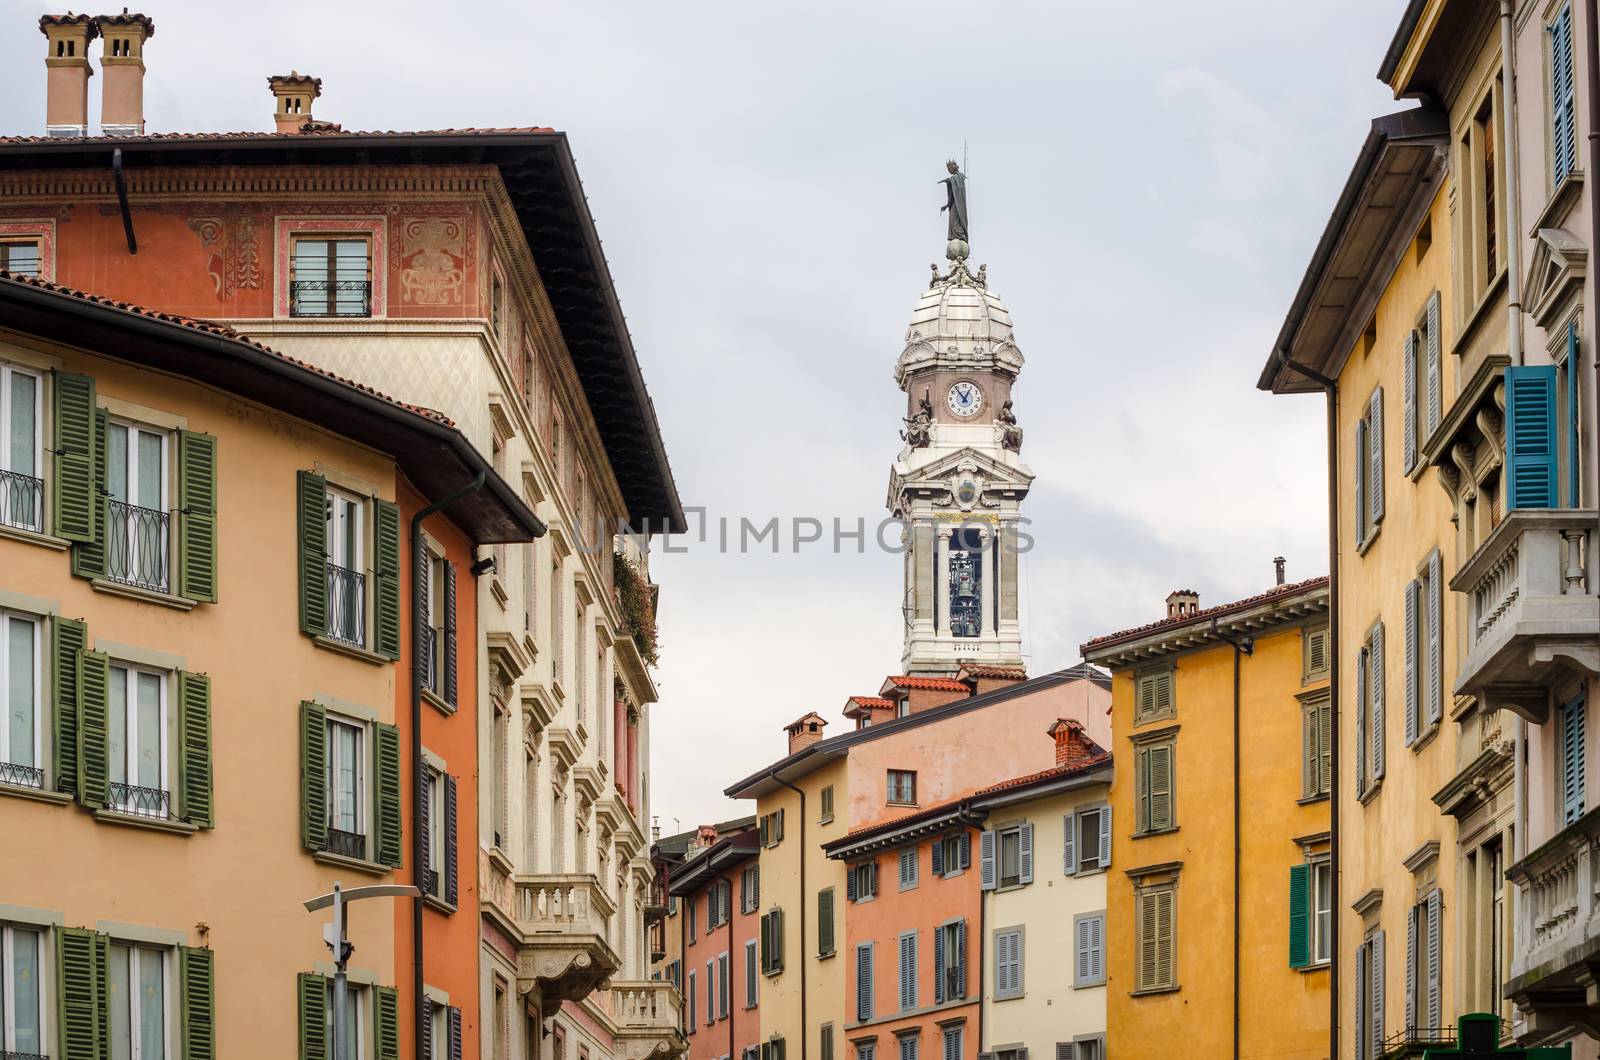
(333, 934)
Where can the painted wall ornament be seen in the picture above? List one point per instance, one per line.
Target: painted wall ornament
(431, 261)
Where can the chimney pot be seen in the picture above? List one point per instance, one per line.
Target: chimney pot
(805, 731)
(1277, 566)
(292, 96)
(1182, 602)
(122, 61)
(67, 72)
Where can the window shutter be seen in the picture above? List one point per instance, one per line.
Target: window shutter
(1411, 968)
(89, 557)
(313, 775)
(863, 983)
(872, 879)
(427, 1028)
(1080, 952)
(449, 631)
(1166, 945)
(1361, 1002)
(94, 684)
(1408, 395)
(986, 860)
(966, 850)
(938, 965)
(455, 1033)
(765, 831)
(313, 1015)
(1435, 365)
(1359, 470)
(755, 888)
(1375, 472)
(825, 921)
(852, 887)
(197, 983)
(1413, 723)
(1572, 795)
(1380, 731)
(1574, 492)
(312, 512)
(937, 855)
(961, 959)
(386, 1023)
(194, 743)
(77, 511)
(1531, 435)
(425, 823)
(1069, 860)
(1097, 948)
(711, 993)
(779, 837)
(908, 972)
(386, 578)
(1105, 837)
(1299, 916)
(1434, 964)
(80, 997)
(386, 819)
(1308, 751)
(1160, 785)
(777, 939)
(1361, 721)
(1025, 853)
(1435, 604)
(197, 516)
(1377, 959)
(68, 638)
(689, 1004)
(1563, 119)
(451, 883)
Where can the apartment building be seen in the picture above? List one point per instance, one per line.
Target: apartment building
(1219, 919)
(206, 546)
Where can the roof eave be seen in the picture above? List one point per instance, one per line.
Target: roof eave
(1204, 630)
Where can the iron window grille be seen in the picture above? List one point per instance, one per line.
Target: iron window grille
(154, 803)
(346, 844)
(21, 501)
(347, 605)
(136, 545)
(331, 278)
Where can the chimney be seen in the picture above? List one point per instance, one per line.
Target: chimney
(1182, 602)
(67, 73)
(122, 61)
(1277, 567)
(984, 677)
(292, 95)
(1073, 747)
(805, 731)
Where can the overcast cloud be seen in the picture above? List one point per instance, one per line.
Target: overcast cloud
(1147, 183)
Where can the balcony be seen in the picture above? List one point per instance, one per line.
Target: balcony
(560, 924)
(1557, 943)
(347, 605)
(646, 1015)
(1532, 610)
(21, 501)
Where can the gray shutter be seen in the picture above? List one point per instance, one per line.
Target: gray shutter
(938, 966)
(1380, 730)
(1361, 1002)
(1435, 971)
(1375, 470)
(1069, 863)
(426, 824)
(449, 602)
(427, 1028)
(966, 850)
(1025, 853)
(852, 892)
(451, 884)
(986, 859)
(1435, 604)
(1413, 729)
(864, 982)
(1361, 721)
(1359, 471)
(1308, 751)
(455, 1033)
(1411, 968)
(1080, 952)
(1435, 364)
(961, 959)
(937, 855)
(1377, 991)
(1408, 378)
(1105, 837)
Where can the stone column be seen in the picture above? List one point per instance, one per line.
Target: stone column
(986, 620)
(941, 588)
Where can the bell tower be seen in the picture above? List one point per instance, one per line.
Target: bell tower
(959, 480)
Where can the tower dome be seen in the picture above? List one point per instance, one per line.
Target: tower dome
(959, 325)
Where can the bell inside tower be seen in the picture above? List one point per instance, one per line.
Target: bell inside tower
(966, 582)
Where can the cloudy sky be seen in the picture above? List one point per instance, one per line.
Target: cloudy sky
(1147, 182)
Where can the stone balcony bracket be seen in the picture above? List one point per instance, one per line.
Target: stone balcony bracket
(562, 924)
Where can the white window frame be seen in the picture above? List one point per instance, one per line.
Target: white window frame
(8, 943)
(130, 701)
(1321, 934)
(901, 787)
(436, 826)
(6, 750)
(8, 374)
(134, 429)
(359, 1000)
(343, 507)
(335, 723)
(1014, 832)
(168, 1000)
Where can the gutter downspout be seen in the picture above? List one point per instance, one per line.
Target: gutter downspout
(122, 200)
(732, 1052)
(983, 935)
(1241, 648)
(1330, 387)
(418, 853)
(804, 1037)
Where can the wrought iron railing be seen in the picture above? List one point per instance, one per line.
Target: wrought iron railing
(1414, 1041)
(430, 882)
(136, 545)
(330, 298)
(155, 803)
(12, 1054)
(427, 647)
(21, 500)
(20, 775)
(345, 844)
(347, 605)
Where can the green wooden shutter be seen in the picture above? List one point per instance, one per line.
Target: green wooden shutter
(1531, 435)
(197, 981)
(79, 998)
(75, 514)
(1574, 492)
(197, 516)
(194, 741)
(312, 509)
(313, 776)
(1159, 776)
(312, 1003)
(94, 685)
(386, 1022)
(89, 555)
(386, 578)
(68, 638)
(1299, 915)
(386, 740)
(825, 921)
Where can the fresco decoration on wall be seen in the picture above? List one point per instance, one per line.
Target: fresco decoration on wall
(433, 260)
(235, 259)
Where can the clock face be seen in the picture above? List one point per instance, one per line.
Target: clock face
(965, 398)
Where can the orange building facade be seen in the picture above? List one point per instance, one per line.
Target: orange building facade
(716, 893)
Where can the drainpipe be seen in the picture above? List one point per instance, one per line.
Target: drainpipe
(731, 1003)
(983, 936)
(1330, 387)
(1508, 78)
(804, 1038)
(418, 853)
(1591, 26)
(1242, 647)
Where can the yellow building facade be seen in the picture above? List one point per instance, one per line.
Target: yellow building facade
(1219, 901)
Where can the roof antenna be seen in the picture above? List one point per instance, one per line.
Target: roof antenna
(963, 154)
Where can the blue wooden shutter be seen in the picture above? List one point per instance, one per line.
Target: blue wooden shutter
(1572, 758)
(1408, 393)
(1563, 117)
(1299, 915)
(1531, 435)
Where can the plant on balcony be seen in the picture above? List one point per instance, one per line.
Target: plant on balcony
(637, 603)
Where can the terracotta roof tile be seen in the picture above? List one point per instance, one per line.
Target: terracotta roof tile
(1173, 622)
(1046, 774)
(986, 670)
(69, 19)
(870, 702)
(928, 684)
(223, 137)
(212, 327)
(126, 19)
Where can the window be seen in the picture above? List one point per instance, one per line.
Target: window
(1424, 660)
(689, 904)
(443, 1031)
(711, 992)
(908, 1047)
(1153, 698)
(1008, 963)
(1563, 105)
(1422, 375)
(689, 1001)
(908, 971)
(1154, 786)
(826, 802)
(1316, 746)
(1423, 957)
(772, 942)
(952, 1043)
(330, 278)
(861, 881)
(137, 741)
(500, 796)
(21, 747)
(952, 854)
(347, 589)
(866, 1051)
(1086, 840)
(750, 889)
(21, 445)
(1369, 695)
(20, 257)
(908, 868)
(1089, 949)
(1569, 767)
(864, 982)
(136, 539)
(350, 772)
(22, 1015)
(1310, 913)
(1367, 469)
(1007, 857)
(1090, 1048)
(751, 976)
(950, 961)
(902, 787)
(137, 1005)
(1321, 911)
(825, 943)
(773, 1049)
(1313, 654)
(438, 629)
(827, 1041)
(346, 813)
(439, 834)
(772, 828)
(1155, 945)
